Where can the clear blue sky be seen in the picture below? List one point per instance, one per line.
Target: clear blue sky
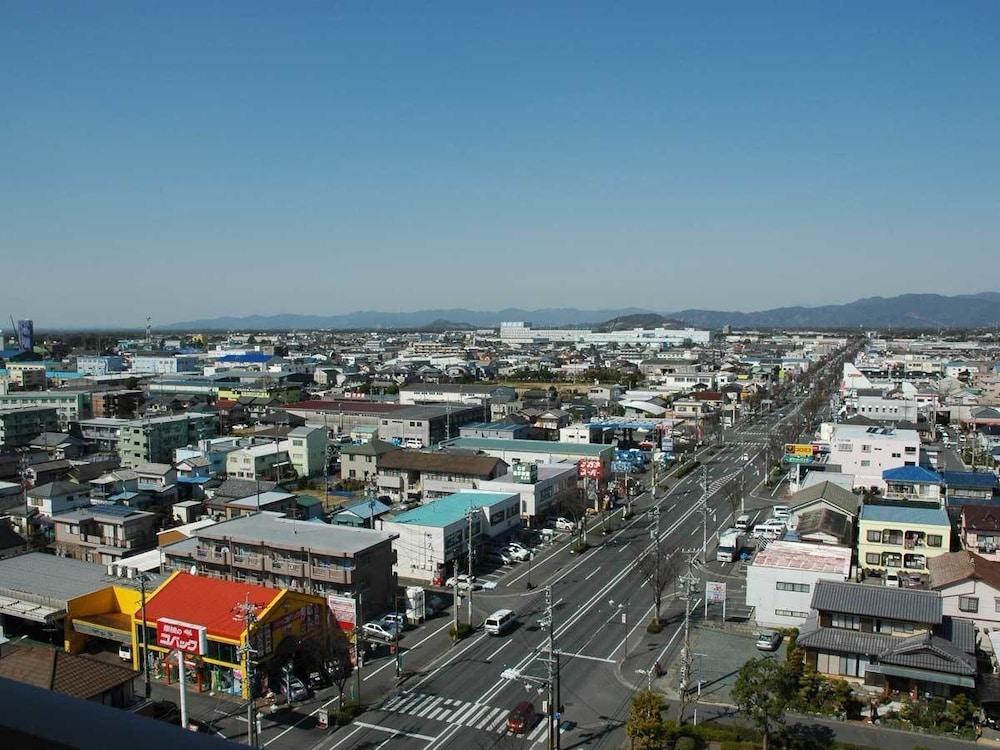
(193, 159)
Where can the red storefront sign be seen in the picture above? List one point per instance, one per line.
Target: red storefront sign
(590, 468)
(182, 636)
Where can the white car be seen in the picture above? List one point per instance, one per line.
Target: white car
(464, 582)
(781, 511)
(892, 580)
(564, 524)
(518, 552)
(379, 631)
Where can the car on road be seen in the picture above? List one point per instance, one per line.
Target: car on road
(379, 631)
(781, 511)
(768, 640)
(521, 718)
(564, 524)
(745, 458)
(463, 582)
(743, 522)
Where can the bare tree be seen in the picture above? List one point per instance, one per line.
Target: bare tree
(658, 567)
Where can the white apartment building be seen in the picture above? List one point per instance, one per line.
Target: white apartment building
(98, 364)
(865, 452)
(517, 332)
(157, 364)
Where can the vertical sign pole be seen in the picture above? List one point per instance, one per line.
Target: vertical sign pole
(183, 687)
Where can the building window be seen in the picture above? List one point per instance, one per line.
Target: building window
(801, 588)
(845, 622)
(934, 540)
(873, 558)
(874, 536)
(866, 464)
(968, 603)
(866, 449)
(996, 604)
(790, 613)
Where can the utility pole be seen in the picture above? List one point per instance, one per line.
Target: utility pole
(399, 626)
(688, 581)
(469, 516)
(552, 714)
(143, 579)
(704, 516)
(246, 613)
(455, 604)
(659, 552)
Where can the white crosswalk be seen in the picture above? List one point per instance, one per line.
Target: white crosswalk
(453, 711)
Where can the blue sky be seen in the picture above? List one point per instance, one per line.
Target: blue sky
(193, 159)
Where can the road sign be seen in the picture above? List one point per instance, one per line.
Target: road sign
(715, 592)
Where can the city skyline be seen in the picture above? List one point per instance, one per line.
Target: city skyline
(188, 162)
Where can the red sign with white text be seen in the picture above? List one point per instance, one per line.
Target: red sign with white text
(590, 468)
(182, 636)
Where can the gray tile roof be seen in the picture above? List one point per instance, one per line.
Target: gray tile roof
(273, 531)
(831, 493)
(909, 605)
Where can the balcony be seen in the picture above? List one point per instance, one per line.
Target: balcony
(249, 561)
(204, 553)
(343, 576)
(285, 567)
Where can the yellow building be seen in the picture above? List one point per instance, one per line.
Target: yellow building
(289, 628)
(286, 394)
(898, 537)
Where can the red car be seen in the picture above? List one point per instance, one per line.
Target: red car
(521, 718)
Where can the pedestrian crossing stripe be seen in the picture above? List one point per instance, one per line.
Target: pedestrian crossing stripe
(480, 716)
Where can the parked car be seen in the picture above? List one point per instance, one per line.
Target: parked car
(521, 718)
(501, 556)
(564, 524)
(768, 640)
(379, 631)
(518, 552)
(297, 691)
(892, 580)
(464, 582)
(125, 652)
(396, 620)
(781, 511)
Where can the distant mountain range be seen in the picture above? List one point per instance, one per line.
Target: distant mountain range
(904, 311)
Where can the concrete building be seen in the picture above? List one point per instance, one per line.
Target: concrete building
(27, 376)
(315, 558)
(158, 364)
(104, 533)
(154, 440)
(103, 433)
(19, 425)
(866, 452)
(71, 406)
(437, 534)
(454, 393)
(536, 451)
(426, 426)
(307, 452)
(541, 487)
(121, 403)
(783, 575)
(898, 537)
(89, 364)
(519, 333)
(884, 409)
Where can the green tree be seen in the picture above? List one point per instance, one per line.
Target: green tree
(645, 726)
(762, 691)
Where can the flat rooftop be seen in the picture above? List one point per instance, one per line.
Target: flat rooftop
(822, 558)
(450, 508)
(273, 530)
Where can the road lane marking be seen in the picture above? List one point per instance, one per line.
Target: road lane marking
(505, 645)
(592, 573)
(586, 656)
(345, 739)
(395, 732)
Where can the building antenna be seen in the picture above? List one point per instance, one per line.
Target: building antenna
(149, 328)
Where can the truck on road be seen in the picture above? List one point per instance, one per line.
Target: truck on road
(730, 545)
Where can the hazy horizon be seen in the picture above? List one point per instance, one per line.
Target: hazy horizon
(188, 161)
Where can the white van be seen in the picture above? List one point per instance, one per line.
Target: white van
(500, 622)
(743, 522)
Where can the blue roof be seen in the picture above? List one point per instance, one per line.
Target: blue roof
(249, 357)
(979, 479)
(915, 474)
(904, 514)
(364, 510)
(446, 510)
